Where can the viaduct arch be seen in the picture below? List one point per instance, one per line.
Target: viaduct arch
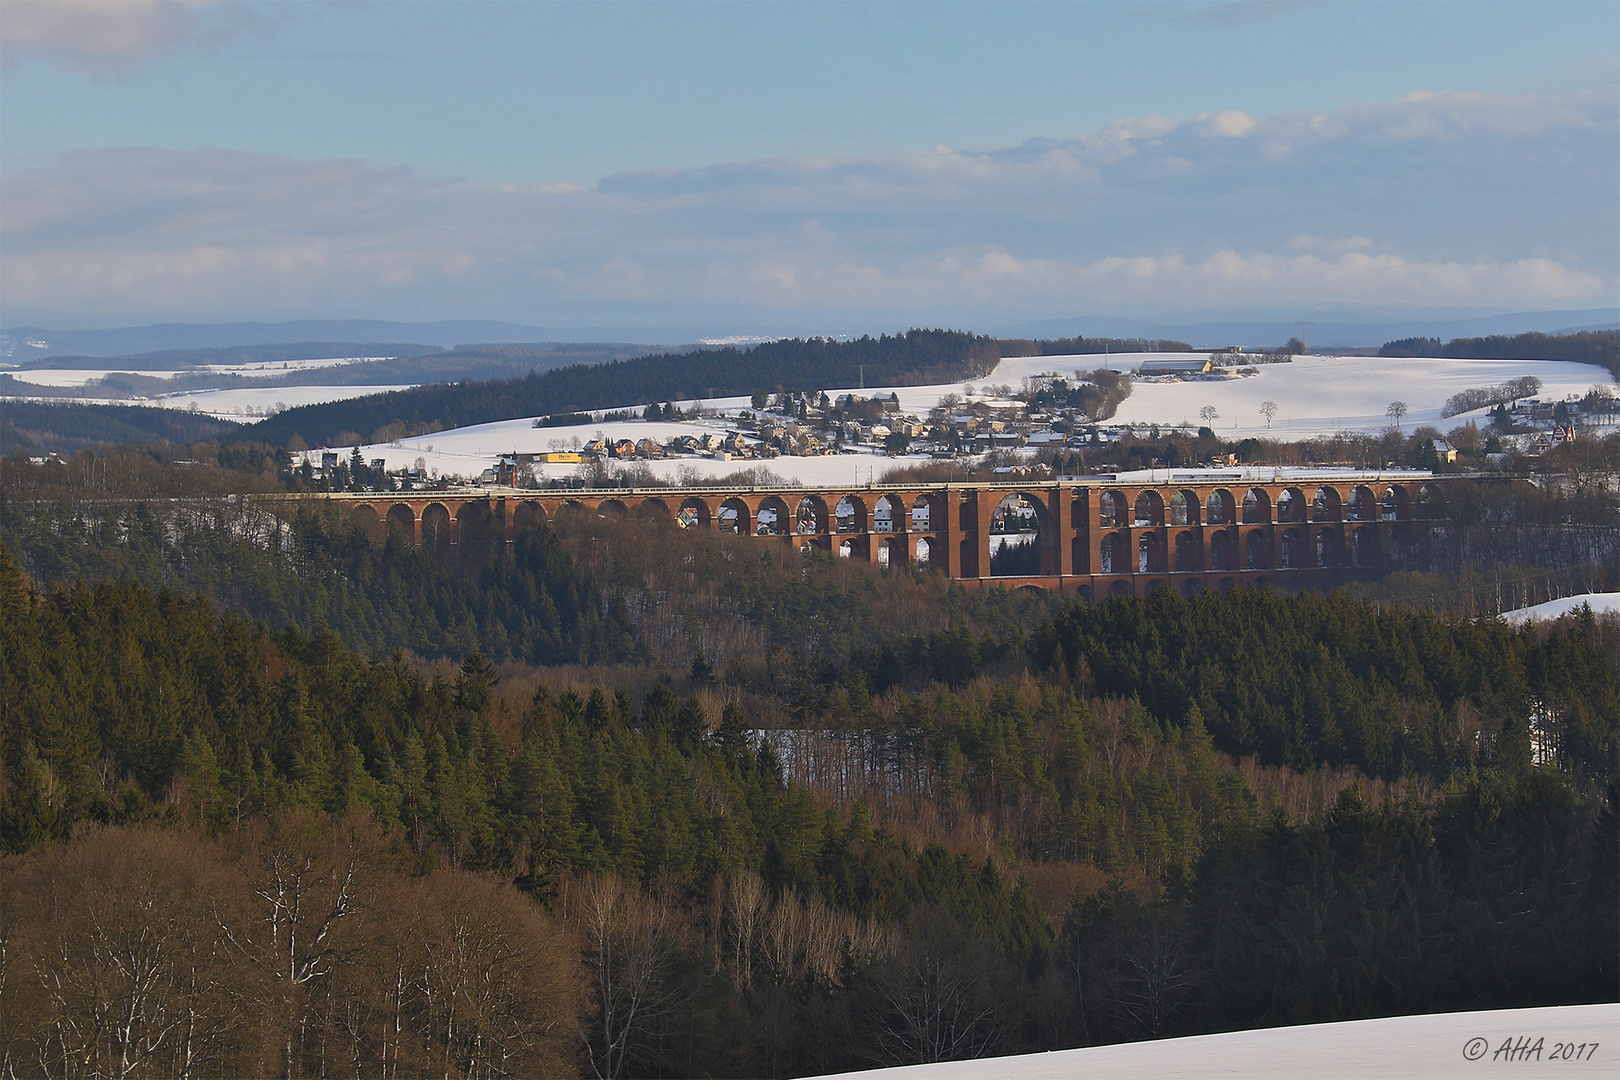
(1092, 536)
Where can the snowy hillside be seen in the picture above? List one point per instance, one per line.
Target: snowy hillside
(1314, 395)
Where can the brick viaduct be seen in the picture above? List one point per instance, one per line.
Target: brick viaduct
(1092, 537)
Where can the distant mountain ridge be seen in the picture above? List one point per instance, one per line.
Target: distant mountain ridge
(1328, 329)
(1326, 333)
(16, 343)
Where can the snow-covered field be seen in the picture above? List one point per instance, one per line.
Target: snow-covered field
(1603, 603)
(1320, 395)
(1447, 1046)
(256, 370)
(1314, 395)
(237, 404)
(249, 404)
(71, 376)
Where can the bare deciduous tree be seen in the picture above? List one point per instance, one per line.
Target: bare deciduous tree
(130, 967)
(308, 882)
(745, 910)
(629, 951)
(934, 1000)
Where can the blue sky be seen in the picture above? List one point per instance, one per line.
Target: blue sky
(816, 163)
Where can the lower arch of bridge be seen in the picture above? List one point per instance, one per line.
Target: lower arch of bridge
(925, 553)
(401, 519)
(1150, 554)
(1189, 554)
(891, 553)
(773, 518)
(653, 512)
(734, 517)
(693, 513)
(1257, 550)
(365, 519)
(478, 529)
(1111, 554)
(1220, 550)
(1329, 548)
(572, 514)
(436, 536)
(1364, 546)
(527, 517)
(613, 509)
(810, 516)
(1291, 554)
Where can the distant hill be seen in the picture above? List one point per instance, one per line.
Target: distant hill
(34, 428)
(184, 359)
(404, 364)
(18, 343)
(917, 357)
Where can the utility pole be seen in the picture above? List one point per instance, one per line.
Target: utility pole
(1305, 335)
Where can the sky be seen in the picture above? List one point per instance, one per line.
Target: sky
(826, 165)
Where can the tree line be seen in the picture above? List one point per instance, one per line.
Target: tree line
(1599, 347)
(385, 866)
(310, 570)
(32, 427)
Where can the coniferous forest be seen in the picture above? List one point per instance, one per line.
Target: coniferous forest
(621, 801)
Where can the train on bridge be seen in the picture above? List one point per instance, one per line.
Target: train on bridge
(1091, 536)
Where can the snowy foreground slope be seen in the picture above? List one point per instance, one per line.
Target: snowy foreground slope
(1449, 1045)
(1314, 395)
(1602, 603)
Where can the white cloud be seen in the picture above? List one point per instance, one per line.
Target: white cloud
(1358, 207)
(1228, 123)
(111, 37)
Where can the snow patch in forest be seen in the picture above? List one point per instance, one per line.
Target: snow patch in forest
(1602, 603)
